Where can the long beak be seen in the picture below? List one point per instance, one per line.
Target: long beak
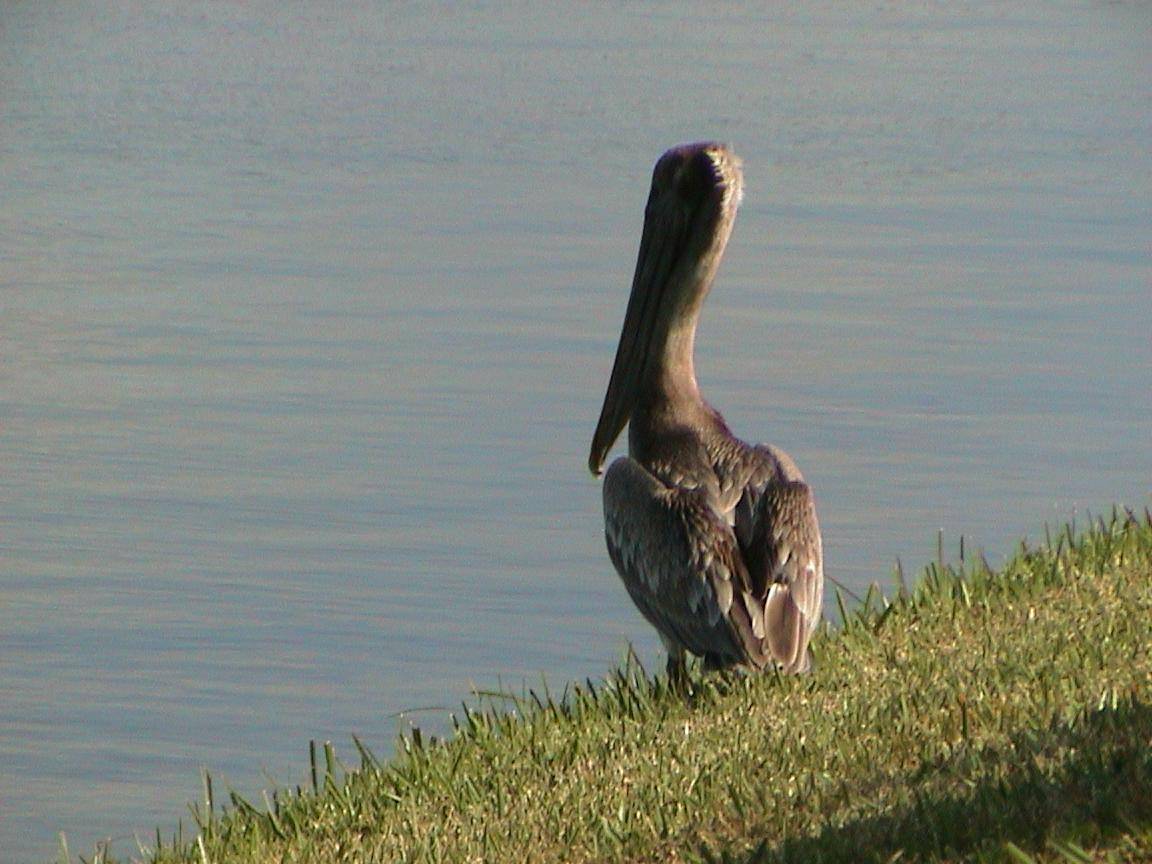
(661, 245)
(696, 189)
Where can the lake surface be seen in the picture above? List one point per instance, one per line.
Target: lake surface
(307, 315)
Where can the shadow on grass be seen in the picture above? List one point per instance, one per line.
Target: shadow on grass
(1088, 780)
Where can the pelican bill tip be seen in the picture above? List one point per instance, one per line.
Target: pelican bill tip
(596, 463)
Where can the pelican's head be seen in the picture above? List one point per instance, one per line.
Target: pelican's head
(696, 189)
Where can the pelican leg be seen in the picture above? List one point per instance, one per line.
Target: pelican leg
(677, 665)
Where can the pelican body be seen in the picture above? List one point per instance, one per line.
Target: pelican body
(716, 540)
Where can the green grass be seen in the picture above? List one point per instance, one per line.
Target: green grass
(999, 716)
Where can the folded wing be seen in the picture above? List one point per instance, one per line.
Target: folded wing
(728, 602)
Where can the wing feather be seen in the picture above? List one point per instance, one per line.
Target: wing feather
(786, 568)
(681, 564)
(739, 587)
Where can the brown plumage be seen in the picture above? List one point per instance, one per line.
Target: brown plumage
(716, 540)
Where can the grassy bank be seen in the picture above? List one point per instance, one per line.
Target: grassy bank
(1002, 716)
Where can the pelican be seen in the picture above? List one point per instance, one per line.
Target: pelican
(716, 540)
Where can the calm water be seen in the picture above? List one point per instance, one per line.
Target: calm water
(306, 317)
